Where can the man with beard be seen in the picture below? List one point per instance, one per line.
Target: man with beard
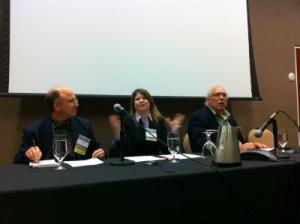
(213, 115)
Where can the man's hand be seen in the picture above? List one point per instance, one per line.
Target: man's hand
(115, 124)
(176, 123)
(34, 153)
(99, 153)
(252, 145)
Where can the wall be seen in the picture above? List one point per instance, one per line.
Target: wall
(274, 26)
(275, 33)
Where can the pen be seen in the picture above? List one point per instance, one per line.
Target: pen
(33, 142)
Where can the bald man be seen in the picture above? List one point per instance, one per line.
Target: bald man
(213, 115)
(61, 124)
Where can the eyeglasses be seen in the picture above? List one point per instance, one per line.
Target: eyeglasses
(219, 94)
(73, 100)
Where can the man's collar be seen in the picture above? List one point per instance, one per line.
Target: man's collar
(58, 124)
(225, 115)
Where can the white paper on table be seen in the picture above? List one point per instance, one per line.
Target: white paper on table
(44, 163)
(267, 149)
(86, 162)
(179, 156)
(143, 158)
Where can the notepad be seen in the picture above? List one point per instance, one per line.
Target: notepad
(44, 163)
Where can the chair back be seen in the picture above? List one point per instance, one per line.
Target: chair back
(186, 144)
(267, 137)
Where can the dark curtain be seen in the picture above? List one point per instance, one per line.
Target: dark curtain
(4, 45)
(254, 83)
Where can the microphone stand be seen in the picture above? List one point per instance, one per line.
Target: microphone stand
(122, 161)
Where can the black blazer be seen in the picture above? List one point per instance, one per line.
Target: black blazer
(40, 132)
(202, 120)
(134, 139)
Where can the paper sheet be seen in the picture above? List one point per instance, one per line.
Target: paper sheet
(143, 158)
(160, 157)
(267, 149)
(44, 163)
(179, 156)
(87, 162)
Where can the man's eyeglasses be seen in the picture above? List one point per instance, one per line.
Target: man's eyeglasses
(219, 94)
(73, 100)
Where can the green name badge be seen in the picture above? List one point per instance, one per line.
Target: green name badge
(82, 145)
(151, 137)
(80, 150)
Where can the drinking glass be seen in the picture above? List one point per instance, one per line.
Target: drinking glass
(209, 148)
(282, 138)
(173, 145)
(60, 151)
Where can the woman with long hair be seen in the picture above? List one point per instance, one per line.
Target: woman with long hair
(144, 118)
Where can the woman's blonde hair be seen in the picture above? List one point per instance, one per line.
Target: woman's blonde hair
(155, 113)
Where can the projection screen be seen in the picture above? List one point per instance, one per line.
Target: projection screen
(110, 47)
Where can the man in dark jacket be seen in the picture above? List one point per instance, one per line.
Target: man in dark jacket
(213, 115)
(61, 124)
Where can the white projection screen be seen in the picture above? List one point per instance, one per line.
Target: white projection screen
(174, 48)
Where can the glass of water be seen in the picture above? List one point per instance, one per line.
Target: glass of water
(60, 151)
(282, 138)
(173, 145)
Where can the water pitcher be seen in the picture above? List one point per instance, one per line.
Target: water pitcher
(228, 152)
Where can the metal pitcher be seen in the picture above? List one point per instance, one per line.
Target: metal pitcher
(228, 152)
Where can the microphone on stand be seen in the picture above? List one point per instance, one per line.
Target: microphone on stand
(271, 119)
(260, 130)
(121, 162)
(118, 108)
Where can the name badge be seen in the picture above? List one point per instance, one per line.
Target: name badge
(82, 145)
(151, 137)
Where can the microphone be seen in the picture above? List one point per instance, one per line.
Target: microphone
(260, 130)
(117, 107)
(122, 112)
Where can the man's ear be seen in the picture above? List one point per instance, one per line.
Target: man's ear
(56, 107)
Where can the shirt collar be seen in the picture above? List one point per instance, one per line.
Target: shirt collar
(138, 117)
(58, 125)
(225, 116)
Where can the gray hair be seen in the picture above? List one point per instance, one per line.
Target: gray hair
(210, 92)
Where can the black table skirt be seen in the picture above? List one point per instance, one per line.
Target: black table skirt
(186, 192)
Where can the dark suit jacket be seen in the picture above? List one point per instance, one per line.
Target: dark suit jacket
(202, 120)
(134, 139)
(41, 134)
